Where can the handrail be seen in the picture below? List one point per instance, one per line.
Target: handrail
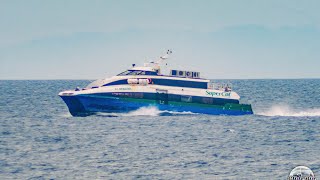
(227, 87)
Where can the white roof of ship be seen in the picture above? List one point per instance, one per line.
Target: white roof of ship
(143, 68)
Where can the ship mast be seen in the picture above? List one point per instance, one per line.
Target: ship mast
(156, 64)
(164, 57)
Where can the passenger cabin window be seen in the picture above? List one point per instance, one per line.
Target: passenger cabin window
(207, 100)
(186, 98)
(185, 74)
(135, 73)
(124, 73)
(174, 72)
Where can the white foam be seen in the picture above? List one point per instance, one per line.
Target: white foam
(179, 113)
(107, 114)
(66, 115)
(230, 130)
(285, 110)
(144, 111)
(154, 111)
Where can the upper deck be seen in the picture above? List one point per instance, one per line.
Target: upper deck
(152, 73)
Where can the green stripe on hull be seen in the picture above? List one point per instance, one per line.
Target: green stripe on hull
(229, 106)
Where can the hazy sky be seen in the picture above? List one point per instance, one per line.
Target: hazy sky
(74, 39)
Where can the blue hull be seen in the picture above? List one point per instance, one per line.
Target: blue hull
(83, 105)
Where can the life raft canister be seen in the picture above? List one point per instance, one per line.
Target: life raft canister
(133, 81)
(139, 81)
(143, 81)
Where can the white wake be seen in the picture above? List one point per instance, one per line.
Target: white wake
(284, 110)
(154, 111)
(145, 111)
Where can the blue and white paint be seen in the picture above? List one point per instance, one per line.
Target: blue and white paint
(145, 86)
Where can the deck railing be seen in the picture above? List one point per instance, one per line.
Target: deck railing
(227, 87)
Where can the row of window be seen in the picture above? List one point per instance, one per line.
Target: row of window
(136, 72)
(194, 99)
(129, 95)
(167, 82)
(176, 98)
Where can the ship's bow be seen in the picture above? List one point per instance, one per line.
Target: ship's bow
(75, 106)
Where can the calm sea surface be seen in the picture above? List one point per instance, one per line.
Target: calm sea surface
(39, 139)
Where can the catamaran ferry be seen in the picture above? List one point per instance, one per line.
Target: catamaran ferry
(142, 86)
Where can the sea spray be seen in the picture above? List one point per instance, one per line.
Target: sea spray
(144, 111)
(154, 111)
(285, 110)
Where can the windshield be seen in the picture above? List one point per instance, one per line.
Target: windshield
(136, 72)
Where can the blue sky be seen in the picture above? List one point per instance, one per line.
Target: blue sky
(93, 39)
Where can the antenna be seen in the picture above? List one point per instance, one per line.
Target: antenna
(164, 57)
(156, 64)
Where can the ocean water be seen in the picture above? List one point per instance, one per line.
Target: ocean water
(39, 139)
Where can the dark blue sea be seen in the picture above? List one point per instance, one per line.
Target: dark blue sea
(39, 139)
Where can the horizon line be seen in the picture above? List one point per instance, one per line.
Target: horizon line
(58, 79)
